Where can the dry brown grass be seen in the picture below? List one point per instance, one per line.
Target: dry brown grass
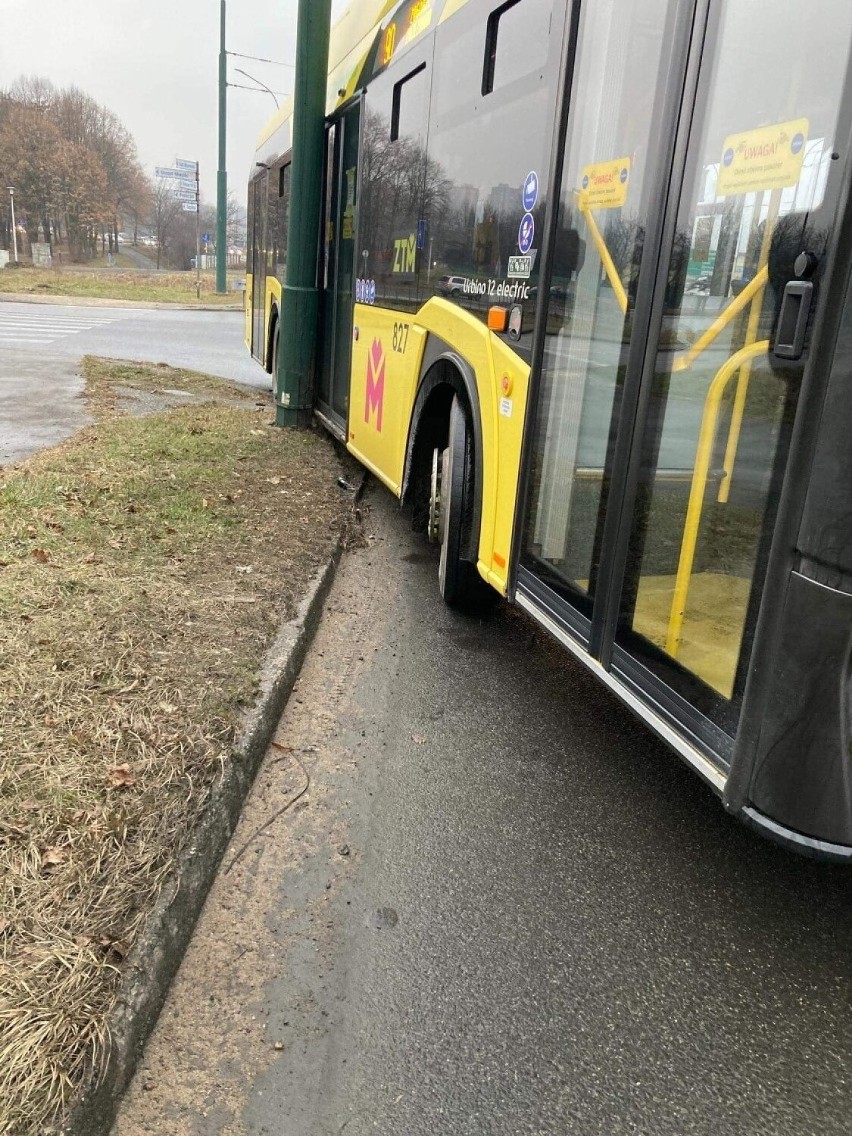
(144, 567)
(119, 284)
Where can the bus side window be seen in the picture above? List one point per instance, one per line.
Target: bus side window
(517, 42)
(406, 115)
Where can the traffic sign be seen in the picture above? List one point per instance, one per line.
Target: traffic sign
(167, 172)
(184, 195)
(189, 207)
(206, 238)
(185, 164)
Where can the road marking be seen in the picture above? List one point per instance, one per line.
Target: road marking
(38, 327)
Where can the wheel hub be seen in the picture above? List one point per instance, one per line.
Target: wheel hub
(433, 524)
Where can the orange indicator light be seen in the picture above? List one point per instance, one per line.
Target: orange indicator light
(498, 318)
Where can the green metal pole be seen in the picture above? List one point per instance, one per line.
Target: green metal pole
(222, 175)
(300, 297)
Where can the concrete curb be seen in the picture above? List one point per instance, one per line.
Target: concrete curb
(157, 954)
(101, 302)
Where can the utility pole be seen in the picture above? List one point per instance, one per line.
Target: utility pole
(300, 296)
(222, 174)
(198, 230)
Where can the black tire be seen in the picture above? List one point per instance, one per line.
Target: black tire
(276, 349)
(458, 580)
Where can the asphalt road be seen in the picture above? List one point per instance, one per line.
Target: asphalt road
(501, 908)
(41, 346)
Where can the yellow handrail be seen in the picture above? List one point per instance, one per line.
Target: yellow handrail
(739, 361)
(719, 324)
(745, 373)
(694, 509)
(606, 259)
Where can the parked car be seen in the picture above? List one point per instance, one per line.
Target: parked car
(450, 285)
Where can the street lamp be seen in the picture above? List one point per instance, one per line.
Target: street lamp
(11, 189)
(240, 71)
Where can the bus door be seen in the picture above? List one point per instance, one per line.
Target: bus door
(339, 266)
(260, 198)
(669, 392)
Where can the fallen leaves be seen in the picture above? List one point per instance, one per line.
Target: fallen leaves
(120, 777)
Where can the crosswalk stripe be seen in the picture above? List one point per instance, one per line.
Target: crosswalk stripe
(54, 318)
(47, 326)
(55, 327)
(38, 327)
(25, 339)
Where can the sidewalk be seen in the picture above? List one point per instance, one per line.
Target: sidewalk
(98, 302)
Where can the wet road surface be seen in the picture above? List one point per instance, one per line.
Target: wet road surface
(41, 346)
(502, 907)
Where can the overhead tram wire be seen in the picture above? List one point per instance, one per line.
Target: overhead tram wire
(259, 59)
(261, 90)
(261, 86)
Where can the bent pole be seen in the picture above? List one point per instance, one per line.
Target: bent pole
(300, 297)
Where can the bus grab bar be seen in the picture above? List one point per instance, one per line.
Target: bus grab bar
(703, 453)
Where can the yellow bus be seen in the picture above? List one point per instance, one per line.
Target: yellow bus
(585, 310)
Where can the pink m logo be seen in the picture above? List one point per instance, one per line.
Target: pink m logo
(375, 383)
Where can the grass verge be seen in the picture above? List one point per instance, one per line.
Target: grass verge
(144, 567)
(117, 284)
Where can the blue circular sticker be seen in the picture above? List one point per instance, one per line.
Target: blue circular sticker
(797, 143)
(530, 194)
(728, 156)
(623, 175)
(526, 232)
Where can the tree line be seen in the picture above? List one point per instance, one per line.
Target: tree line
(78, 180)
(73, 165)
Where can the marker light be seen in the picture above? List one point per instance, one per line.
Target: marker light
(497, 319)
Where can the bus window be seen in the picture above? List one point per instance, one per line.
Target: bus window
(483, 150)
(715, 443)
(279, 215)
(516, 43)
(407, 109)
(602, 217)
(399, 188)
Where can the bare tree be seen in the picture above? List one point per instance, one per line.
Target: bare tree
(165, 213)
(73, 164)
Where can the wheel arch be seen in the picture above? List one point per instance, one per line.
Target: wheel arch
(443, 374)
(274, 320)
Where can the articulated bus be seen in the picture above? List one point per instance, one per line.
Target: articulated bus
(586, 307)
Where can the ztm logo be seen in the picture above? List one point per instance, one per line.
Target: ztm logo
(375, 384)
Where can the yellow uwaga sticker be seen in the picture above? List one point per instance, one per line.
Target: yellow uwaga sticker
(604, 185)
(768, 158)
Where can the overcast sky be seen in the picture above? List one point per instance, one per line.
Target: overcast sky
(155, 63)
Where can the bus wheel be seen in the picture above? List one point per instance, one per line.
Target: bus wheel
(458, 579)
(276, 349)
